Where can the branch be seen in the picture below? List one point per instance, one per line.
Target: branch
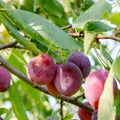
(71, 100)
(11, 44)
(108, 37)
(61, 109)
(66, 27)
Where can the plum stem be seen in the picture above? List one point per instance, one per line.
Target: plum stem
(61, 109)
(17, 73)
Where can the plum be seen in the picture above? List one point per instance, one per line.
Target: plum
(4, 79)
(84, 114)
(68, 78)
(94, 115)
(81, 61)
(94, 86)
(41, 69)
(52, 89)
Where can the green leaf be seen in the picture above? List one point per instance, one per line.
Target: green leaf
(68, 117)
(114, 19)
(95, 12)
(86, 4)
(88, 41)
(17, 103)
(107, 56)
(8, 115)
(117, 103)
(17, 60)
(13, 32)
(98, 26)
(118, 1)
(3, 110)
(55, 11)
(106, 109)
(116, 68)
(39, 28)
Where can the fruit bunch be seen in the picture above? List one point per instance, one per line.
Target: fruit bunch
(4, 79)
(66, 79)
(94, 86)
(59, 79)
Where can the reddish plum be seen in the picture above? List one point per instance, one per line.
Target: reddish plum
(4, 79)
(41, 69)
(81, 61)
(94, 115)
(94, 86)
(52, 89)
(84, 114)
(68, 78)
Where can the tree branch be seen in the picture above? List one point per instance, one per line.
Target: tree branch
(108, 37)
(71, 100)
(66, 27)
(11, 44)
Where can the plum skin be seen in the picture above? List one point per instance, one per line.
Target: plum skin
(68, 78)
(52, 89)
(41, 69)
(4, 79)
(94, 86)
(84, 114)
(81, 61)
(94, 115)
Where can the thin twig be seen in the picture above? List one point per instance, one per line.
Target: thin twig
(71, 100)
(11, 44)
(117, 32)
(66, 27)
(108, 37)
(75, 35)
(82, 95)
(61, 109)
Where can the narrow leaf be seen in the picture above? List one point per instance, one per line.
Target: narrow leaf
(13, 31)
(116, 68)
(39, 28)
(88, 40)
(107, 56)
(106, 103)
(98, 26)
(95, 12)
(17, 103)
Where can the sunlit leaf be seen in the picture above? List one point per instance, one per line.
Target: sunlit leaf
(114, 18)
(95, 12)
(88, 41)
(116, 68)
(40, 29)
(106, 109)
(17, 103)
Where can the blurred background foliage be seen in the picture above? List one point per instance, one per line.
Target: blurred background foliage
(23, 101)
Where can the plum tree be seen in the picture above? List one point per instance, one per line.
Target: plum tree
(68, 78)
(94, 115)
(4, 79)
(41, 69)
(94, 86)
(84, 114)
(81, 61)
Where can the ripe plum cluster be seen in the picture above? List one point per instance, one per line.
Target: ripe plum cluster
(4, 79)
(65, 78)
